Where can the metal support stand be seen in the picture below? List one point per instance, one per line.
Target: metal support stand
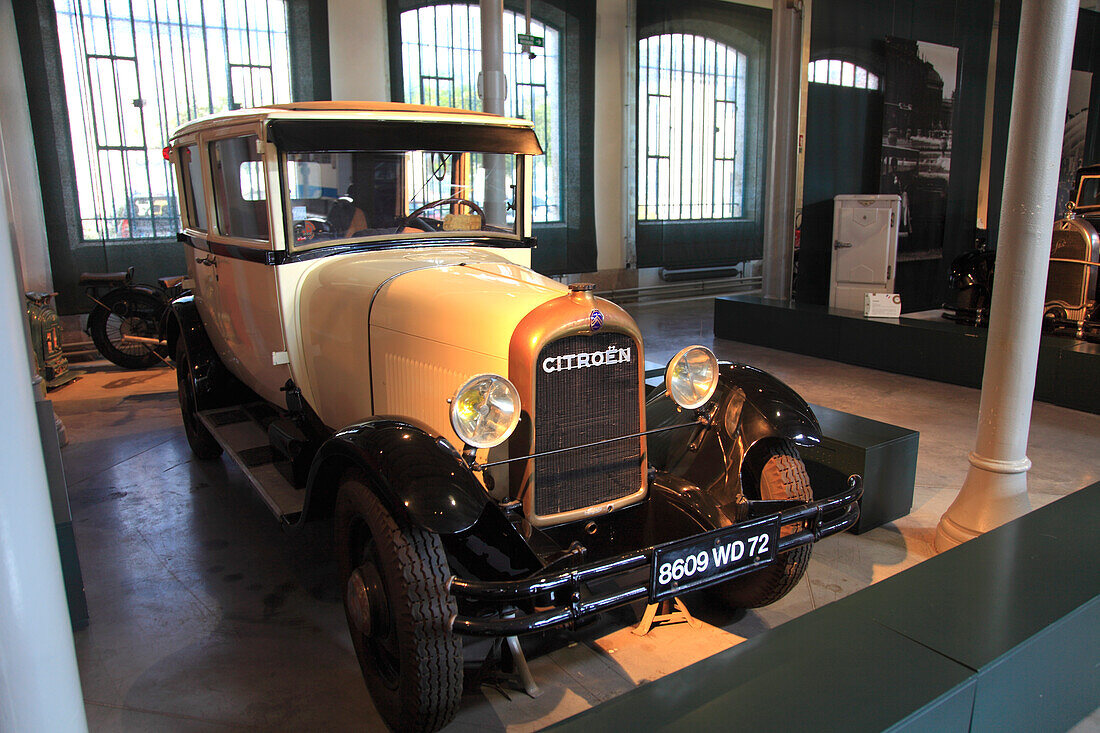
(995, 489)
(522, 671)
(492, 670)
(663, 613)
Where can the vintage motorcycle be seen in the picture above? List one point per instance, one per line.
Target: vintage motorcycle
(971, 279)
(125, 323)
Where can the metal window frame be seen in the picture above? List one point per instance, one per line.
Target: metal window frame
(461, 76)
(164, 45)
(668, 62)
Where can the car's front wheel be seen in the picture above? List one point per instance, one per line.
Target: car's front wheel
(780, 474)
(398, 610)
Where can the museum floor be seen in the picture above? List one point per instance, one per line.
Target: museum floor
(205, 615)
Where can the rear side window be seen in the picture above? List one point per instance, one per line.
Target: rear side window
(240, 197)
(193, 200)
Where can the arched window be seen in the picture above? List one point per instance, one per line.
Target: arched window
(691, 128)
(135, 71)
(842, 74)
(441, 59)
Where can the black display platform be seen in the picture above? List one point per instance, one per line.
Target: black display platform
(1001, 633)
(1068, 372)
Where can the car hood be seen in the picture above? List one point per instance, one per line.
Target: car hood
(472, 304)
(436, 317)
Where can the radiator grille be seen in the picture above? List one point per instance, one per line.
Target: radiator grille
(580, 405)
(1067, 282)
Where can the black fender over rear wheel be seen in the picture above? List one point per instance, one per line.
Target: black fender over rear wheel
(123, 313)
(398, 610)
(780, 474)
(199, 438)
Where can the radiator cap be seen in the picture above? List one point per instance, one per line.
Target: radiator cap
(581, 294)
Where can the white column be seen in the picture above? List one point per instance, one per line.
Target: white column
(614, 41)
(995, 489)
(39, 684)
(358, 43)
(779, 207)
(493, 90)
(24, 201)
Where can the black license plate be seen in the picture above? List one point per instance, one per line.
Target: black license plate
(684, 565)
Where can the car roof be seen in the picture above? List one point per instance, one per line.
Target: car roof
(397, 111)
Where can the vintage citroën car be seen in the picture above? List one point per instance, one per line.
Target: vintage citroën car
(366, 340)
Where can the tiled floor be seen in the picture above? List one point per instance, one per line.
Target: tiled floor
(205, 615)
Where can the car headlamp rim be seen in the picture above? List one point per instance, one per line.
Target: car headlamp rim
(505, 424)
(689, 396)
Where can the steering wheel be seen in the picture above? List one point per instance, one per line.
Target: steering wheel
(412, 216)
(307, 230)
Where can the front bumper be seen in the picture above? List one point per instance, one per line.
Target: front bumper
(810, 517)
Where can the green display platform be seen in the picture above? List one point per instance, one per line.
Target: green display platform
(884, 455)
(1068, 370)
(1001, 633)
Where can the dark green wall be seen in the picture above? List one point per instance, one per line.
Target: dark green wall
(844, 127)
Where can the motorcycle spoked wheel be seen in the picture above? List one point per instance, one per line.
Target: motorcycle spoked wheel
(123, 313)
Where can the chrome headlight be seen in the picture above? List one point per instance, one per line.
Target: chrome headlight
(692, 377)
(485, 410)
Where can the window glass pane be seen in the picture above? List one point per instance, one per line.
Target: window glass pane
(691, 145)
(1089, 193)
(134, 72)
(192, 186)
(841, 73)
(350, 195)
(240, 199)
(252, 180)
(847, 75)
(441, 58)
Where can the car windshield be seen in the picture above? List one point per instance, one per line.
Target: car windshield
(431, 194)
(1088, 196)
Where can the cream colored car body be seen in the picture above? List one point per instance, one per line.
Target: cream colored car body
(410, 321)
(427, 329)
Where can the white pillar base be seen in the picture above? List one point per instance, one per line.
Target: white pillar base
(993, 493)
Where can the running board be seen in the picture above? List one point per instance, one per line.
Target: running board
(241, 431)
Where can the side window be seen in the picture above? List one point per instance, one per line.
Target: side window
(193, 199)
(1089, 193)
(240, 196)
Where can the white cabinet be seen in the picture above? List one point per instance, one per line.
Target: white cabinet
(865, 248)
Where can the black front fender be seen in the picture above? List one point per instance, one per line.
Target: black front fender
(418, 476)
(749, 406)
(768, 407)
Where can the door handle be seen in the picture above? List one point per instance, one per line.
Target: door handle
(208, 261)
(841, 245)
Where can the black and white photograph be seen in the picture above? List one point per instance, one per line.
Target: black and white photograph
(1073, 140)
(919, 100)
